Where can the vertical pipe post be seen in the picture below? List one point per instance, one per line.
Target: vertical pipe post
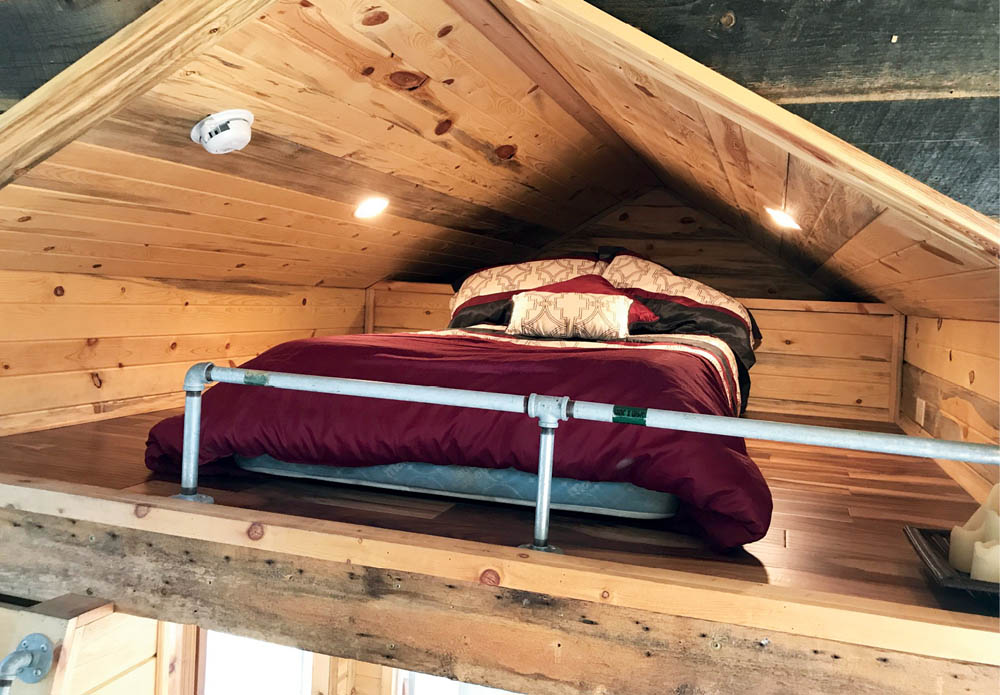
(546, 456)
(549, 410)
(194, 385)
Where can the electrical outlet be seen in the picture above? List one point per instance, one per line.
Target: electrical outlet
(921, 411)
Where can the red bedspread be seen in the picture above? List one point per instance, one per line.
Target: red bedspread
(721, 487)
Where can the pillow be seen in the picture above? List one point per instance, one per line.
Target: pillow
(496, 308)
(569, 315)
(482, 286)
(585, 307)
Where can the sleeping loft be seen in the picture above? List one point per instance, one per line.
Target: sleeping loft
(455, 347)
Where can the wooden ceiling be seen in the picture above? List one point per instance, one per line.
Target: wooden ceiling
(491, 142)
(406, 100)
(866, 227)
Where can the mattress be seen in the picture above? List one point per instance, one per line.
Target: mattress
(507, 485)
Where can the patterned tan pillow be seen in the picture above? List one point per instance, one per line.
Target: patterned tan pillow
(570, 315)
(523, 276)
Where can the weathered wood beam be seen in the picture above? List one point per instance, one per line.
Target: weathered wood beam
(105, 79)
(878, 624)
(474, 631)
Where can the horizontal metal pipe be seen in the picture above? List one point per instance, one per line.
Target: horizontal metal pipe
(812, 435)
(436, 395)
(604, 412)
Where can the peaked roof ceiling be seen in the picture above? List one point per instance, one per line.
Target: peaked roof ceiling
(484, 144)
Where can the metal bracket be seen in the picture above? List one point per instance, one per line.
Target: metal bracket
(543, 548)
(548, 409)
(31, 661)
(197, 497)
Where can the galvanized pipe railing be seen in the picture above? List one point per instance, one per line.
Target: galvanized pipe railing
(550, 410)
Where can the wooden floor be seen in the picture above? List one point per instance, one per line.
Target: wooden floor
(837, 524)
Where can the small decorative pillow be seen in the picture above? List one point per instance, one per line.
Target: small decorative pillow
(570, 315)
(585, 307)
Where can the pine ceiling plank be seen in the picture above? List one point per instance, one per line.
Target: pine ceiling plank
(283, 207)
(70, 212)
(890, 233)
(847, 211)
(807, 191)
(343, 131)
(430, 112)
(155, 130)
(516, 48)
(470, 136)
(175, 262)
(456, 91)
(121, 68)
(347, 234)
(405, 36)
(810, 143)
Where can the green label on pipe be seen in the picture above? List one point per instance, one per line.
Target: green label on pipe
(629, 416)
(255, 379)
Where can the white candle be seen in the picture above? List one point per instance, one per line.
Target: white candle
(983, 527)
(986, 562)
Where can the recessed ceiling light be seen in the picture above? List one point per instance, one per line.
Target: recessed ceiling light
(370, 207)
(783, 218)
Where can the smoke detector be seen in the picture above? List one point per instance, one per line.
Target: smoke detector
(224, 131)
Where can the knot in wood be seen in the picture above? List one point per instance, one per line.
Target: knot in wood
(141, 510)
(406, 79)
(506, 151)
(256, 531)
(490, 578)
(59, 291)
(375, 18)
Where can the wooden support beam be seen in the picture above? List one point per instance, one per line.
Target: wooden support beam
(108, 77)
(474, 631)
(525, 621)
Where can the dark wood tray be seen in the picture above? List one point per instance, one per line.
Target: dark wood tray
(932, 545)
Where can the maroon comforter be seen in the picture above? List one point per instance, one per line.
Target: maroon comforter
(721, 487)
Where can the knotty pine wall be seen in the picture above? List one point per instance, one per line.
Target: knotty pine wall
(952, 367)
(691, 243)
(75, 348)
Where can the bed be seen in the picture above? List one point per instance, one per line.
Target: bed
(690, 356)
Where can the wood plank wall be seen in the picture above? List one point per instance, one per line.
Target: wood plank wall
(116, 655)
(950, 383)
(818, 358)
(76, 348)
(694, 244)
(827, 359)
(409, 306)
